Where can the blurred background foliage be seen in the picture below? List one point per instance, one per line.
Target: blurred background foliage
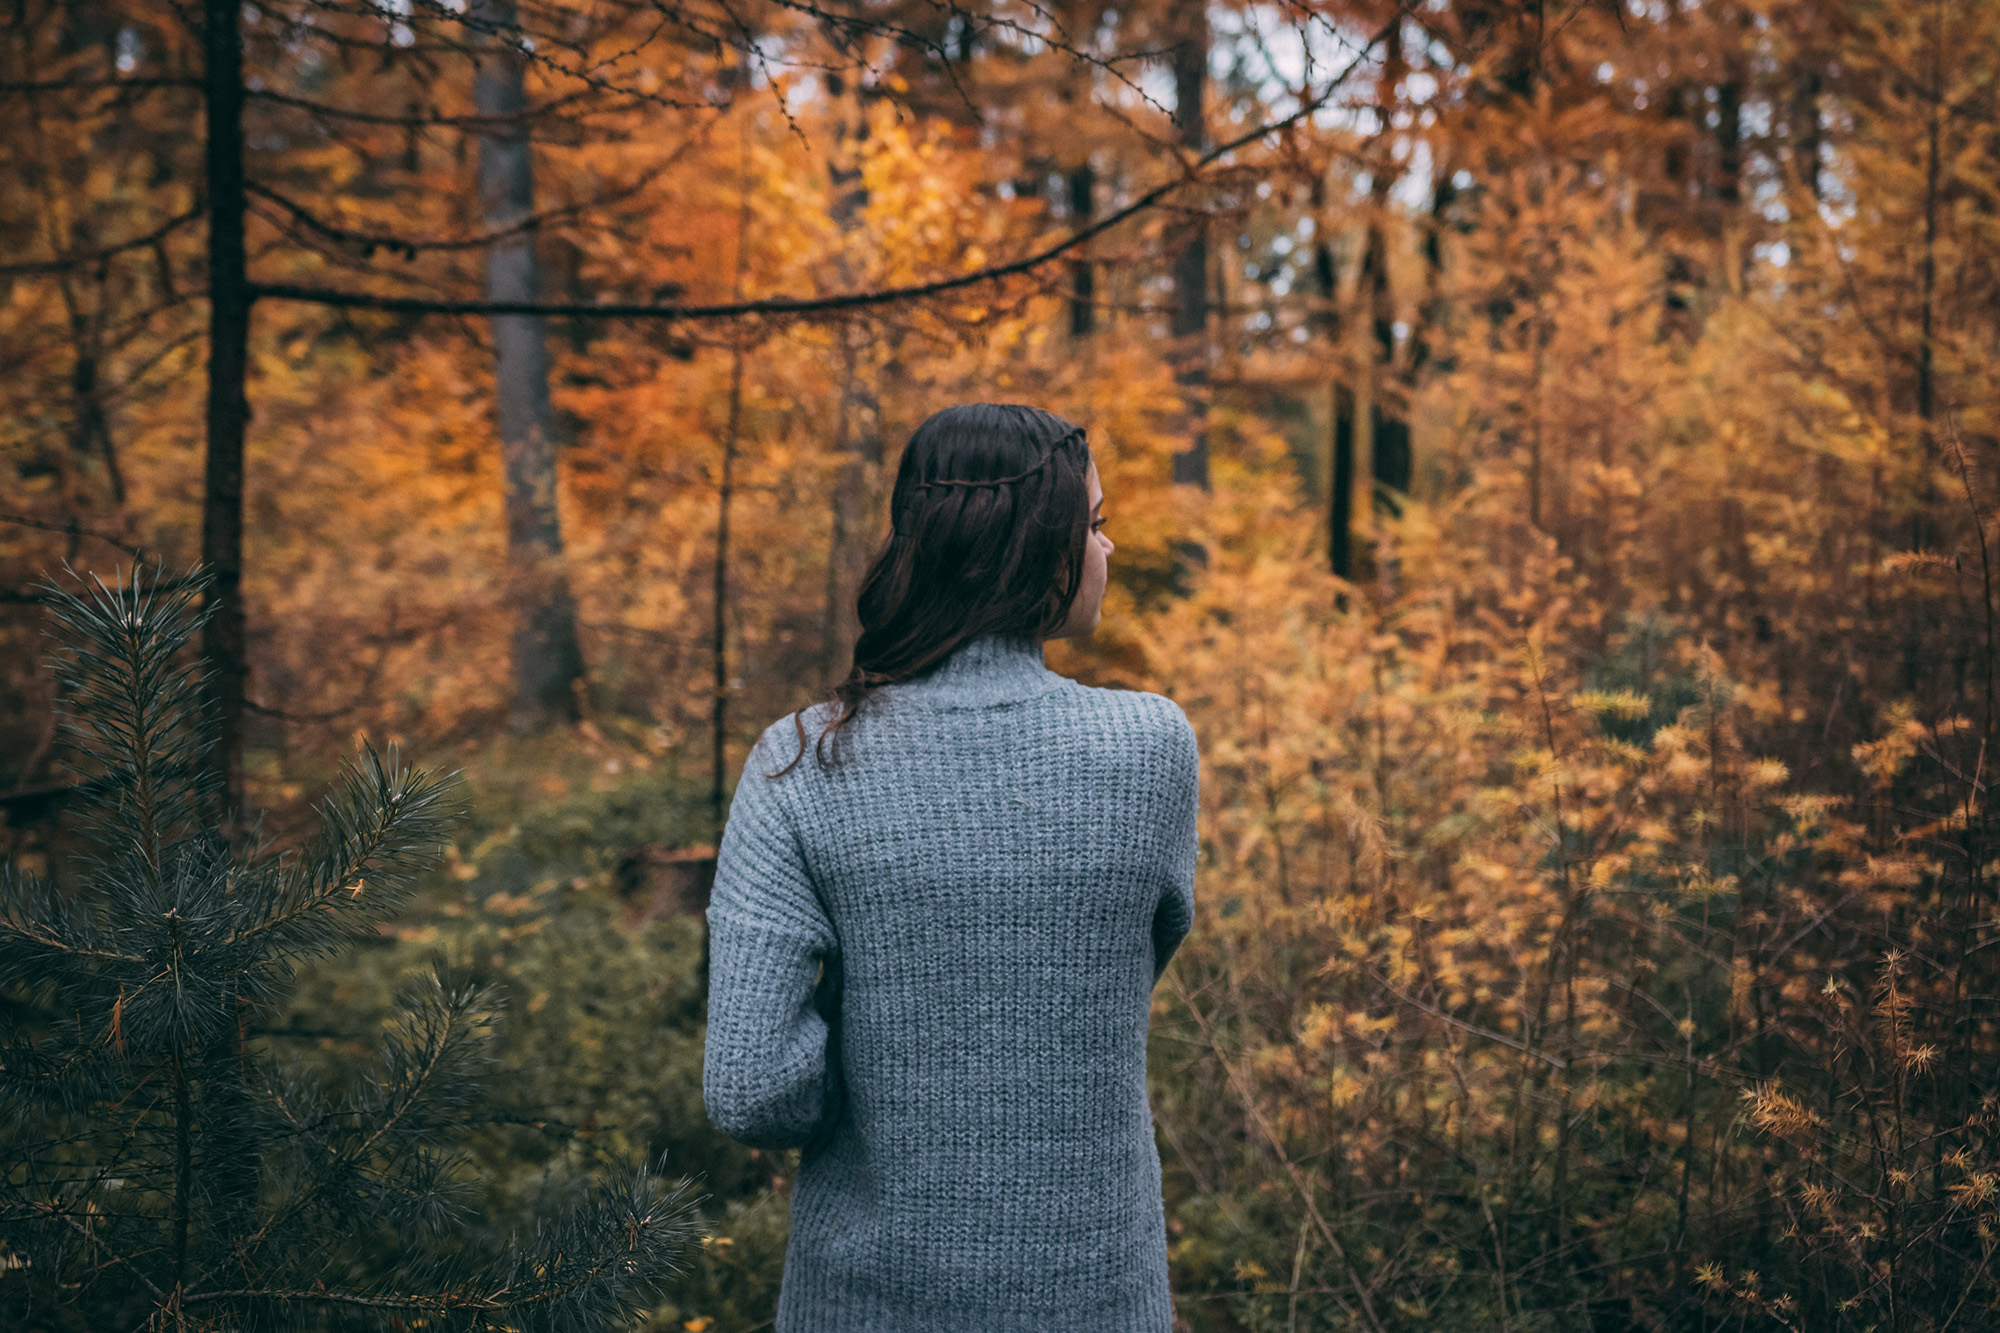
(1555, 474)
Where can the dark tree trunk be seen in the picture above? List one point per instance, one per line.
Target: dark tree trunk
(224, 643)
(1190, 265)
(1340, 508)
(855, 442)
(725, 492)
(1388, 431)
(548, 662)
(1805, 129)
(1340, 482)
(1082, 273)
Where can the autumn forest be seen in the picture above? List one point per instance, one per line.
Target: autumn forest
(1549, 452)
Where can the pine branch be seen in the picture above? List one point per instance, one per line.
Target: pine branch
(440, 1027)
(147, 1125)
(609, 1244)
(380, 824)
(132, 711)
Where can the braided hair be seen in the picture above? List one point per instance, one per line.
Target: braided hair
(987, 525)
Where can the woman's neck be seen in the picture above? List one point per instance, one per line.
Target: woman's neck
(992, 669)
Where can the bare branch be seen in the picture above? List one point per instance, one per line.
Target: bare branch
(424, 118)
(793, 306)
(95, 85)
(72, 262)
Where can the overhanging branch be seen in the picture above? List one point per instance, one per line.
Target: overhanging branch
(819, 305)
(84, 258)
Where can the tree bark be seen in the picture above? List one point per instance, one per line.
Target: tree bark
(1190, 265)
(855, 444)
(1388, 430)
(224, 640)
(1340, 481)
(547, 658)
(1340, 506)
(1082, 273)
(1805, 129)
(1080, 177)
(725, 492)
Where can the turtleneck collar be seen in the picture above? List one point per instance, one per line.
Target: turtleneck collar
(982, 673)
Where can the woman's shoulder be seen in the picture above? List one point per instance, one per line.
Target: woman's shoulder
(779, 742)
(1150, 720)
(1150, 728)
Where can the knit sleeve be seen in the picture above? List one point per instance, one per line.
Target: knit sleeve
(1181, 775)
(770, 1071)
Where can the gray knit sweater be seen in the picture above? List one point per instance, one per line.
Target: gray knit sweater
(931, 969)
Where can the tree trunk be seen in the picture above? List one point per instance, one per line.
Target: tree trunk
(1080, 176)
(1082, 273)
(1340, 506)
(1340, 482)
(224, 642)
(1388, 430)
(548, 662)
(1190, 323)
(854, 444)
(725, 492)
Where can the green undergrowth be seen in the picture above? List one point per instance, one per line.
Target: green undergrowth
(603, 1021)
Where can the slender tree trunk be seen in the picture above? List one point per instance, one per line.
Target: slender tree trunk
(224, 641)
(1190, 265)
(1082, 273)
(548, 661)
(855, 446)
(1340, 483)
(1805, 129)
(1080, 176)
(725, 493)
(1927, 291)
(1340, 509)
(1388, 431)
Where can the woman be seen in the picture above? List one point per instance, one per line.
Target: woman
(942, 901)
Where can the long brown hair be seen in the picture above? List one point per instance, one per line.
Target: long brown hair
(987, 524)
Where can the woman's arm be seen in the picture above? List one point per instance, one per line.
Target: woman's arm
(770, 1074)
(1181, 774)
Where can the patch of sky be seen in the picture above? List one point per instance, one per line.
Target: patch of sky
(400, 33)
(130, 49)
(1836, 200)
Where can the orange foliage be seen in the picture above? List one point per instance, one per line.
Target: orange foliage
(1596, 910)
